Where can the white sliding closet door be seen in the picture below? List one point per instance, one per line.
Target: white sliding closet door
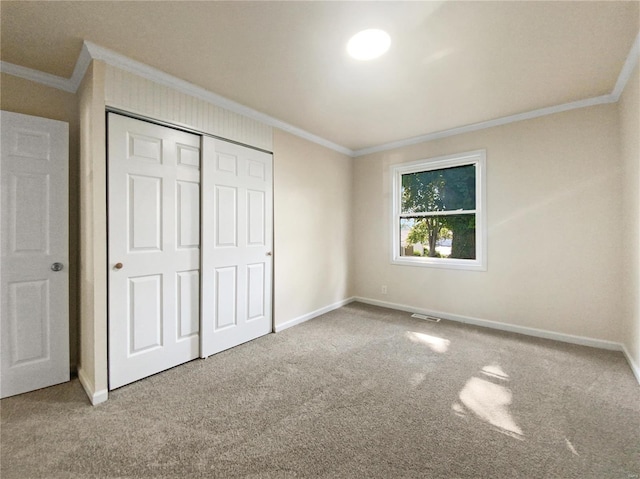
(34, 275)
(154, 248)
(237, 232)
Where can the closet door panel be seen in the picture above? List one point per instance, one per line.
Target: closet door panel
(154, 248)
(236, 245)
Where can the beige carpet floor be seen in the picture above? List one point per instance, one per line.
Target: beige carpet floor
(361, 392)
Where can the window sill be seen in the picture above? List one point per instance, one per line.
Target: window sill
(441, 263)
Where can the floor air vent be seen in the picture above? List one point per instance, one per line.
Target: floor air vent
(428, 318)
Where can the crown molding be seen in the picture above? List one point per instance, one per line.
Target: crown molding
(37, 76)
(150, 73)
(599, 100)
(90, 51)
(627, 69)
(626, 72)
(70, 85)
(83, 62)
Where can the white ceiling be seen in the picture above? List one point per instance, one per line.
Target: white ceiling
(450, 64)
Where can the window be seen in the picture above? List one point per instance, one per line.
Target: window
(438, 212)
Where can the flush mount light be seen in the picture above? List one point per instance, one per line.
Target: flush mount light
(368, 44)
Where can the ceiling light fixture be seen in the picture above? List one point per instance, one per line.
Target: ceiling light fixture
(368, 44)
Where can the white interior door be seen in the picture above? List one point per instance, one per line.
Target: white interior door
(34, 308)
(154, 248)
(237, 236)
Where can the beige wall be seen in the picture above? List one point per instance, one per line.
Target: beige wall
(629, 108)
(312, 227)
(92, 369)
(23, 96)
(553, 204)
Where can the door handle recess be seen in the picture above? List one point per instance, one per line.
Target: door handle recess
(57, 267)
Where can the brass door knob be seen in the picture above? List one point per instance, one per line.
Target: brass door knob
(118, 266)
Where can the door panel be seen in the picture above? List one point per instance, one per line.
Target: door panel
(145, 301)
(236, 254)
(255, 291)
(188, 304)
(154, 232)
(29, 212)
(255, 218)
(225, 216)
(34, 308)
(145, 213)
(188, 197)
(29, 321)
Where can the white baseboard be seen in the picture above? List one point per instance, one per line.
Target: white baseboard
(538, 333)
(313, 314)
(535, 332)
(632, 363)
(96, 397)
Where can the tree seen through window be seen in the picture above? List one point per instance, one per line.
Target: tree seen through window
(438, 213)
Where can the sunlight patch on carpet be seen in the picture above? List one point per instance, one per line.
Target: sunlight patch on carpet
(489, 401)
(570, 447)
(437, 345)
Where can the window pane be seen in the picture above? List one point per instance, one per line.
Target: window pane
(452, 236)
(446, 189)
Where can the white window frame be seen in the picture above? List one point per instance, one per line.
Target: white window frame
(478, 158)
